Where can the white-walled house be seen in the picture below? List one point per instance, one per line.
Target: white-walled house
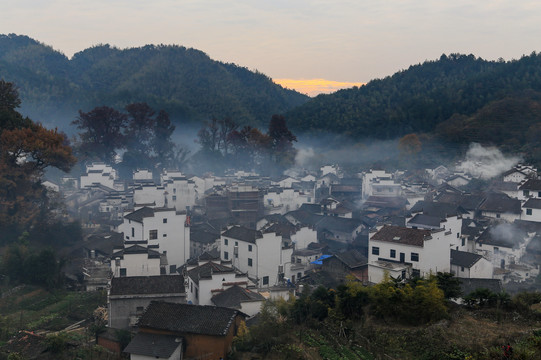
(261, 255)
(421, 251)
(136, 258)
(207, 279)
(180, 193)
(281, 201)
(501, 206)
(98, 173)
(531, 210)
(142, 175)
(148, 194)
(529, 189)
(379, 183)
(164, 227)
(470, 266)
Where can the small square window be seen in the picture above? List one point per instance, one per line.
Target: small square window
(375, 250)
(414, 256)
(123, 272)
(165, 221)
(153, 234)
(528, 211)
(172, 269)
(393, 253)
(265, 280)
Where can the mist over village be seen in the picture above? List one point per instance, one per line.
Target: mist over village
(161, 202)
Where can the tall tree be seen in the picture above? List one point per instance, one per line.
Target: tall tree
(162, 145)
(103, 133)
(282, 150)
(26, 150)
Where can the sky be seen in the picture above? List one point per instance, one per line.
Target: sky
(309, 45)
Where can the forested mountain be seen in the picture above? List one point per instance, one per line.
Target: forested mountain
(416, 100)
(184, 82)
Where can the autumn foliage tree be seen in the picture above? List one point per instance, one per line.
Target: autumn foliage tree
(26, 150)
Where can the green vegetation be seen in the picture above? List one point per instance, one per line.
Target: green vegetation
(185, 83)
(393, 320)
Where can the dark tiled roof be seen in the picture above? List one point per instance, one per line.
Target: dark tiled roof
(440, 209)
(504, 235)
(140, 214)
(234, 296)
(192, 319)
(311, 208)
(533, 204)
(352, 258)
(467, 201)
(203, 237)
(334, 223)
(131, 285)
(425, 220)
(463, 258)
(243, 234)
(401, 235)
(154, 345)
(394, 202)
(207, 256)
(531, 184)
(137, 249)
(528, 226)
(501, 203)
(206, 270)
(305, 217)
(284, 230)
(470, 285)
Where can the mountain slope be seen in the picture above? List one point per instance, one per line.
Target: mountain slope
(185, 82)
(419, 98)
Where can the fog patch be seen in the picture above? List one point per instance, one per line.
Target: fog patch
(486, 162)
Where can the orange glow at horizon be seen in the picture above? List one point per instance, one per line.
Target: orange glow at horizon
(313, 87)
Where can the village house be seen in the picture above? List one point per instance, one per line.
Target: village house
(379, 183)
(419, 252)
(100, 173)
(182, 331)
(137, 258)
(340, 266)
(519, 173)
(260, 254)
(469, 265)
(129, 296)
(209, 278)
(240, 298)
(531, 210)
(163, 227)
(530, 189)
(500, 206)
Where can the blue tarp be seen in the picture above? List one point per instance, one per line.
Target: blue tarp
(318, 261)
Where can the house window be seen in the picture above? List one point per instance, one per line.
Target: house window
(196, 293)
(236, 243)
(249, 262)
(462, 268)
(174, 198)
(123, 272)
(457, 235)
(250, 248)
(226, 255)
(165, 221)
(416, 273)
(528, 211)
(191, 287)
(174, 190)
(172, 269)
(225, 242)
(162, 271)
(414, 256)
(463, 242)
(496, 250)
(153, 234)
(132, 232)
(526, 192)
(539, 194)
(393, 253)
(139, 310)
(164, 235)
(375, 250)
(117, 262)
(265, 280)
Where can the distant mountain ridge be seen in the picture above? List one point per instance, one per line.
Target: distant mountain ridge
(184, 82)
(420, 98)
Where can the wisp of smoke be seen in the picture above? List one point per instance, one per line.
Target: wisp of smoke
(507, 233)
(486, 162)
